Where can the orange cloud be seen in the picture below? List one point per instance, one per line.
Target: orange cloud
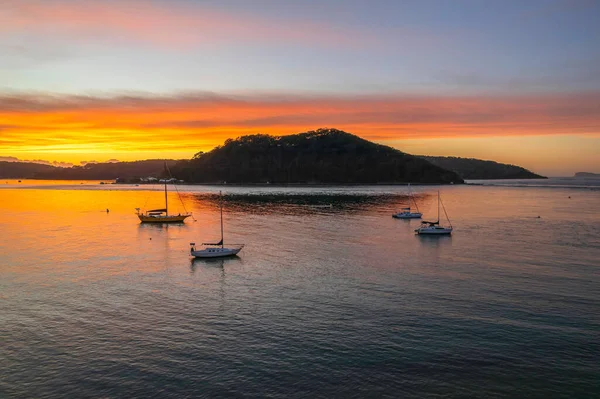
(168, 24)
(186, 123)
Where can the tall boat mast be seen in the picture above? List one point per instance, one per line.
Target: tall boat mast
(446, 213)
(166, 200)
(221, 198)
(438, 218)
(413, 198)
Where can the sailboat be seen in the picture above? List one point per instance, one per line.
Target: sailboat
(217, 250)
(434, 228)
(162, 215)
(406, 212)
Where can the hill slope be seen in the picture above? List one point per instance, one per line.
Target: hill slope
(469, 168)
(108, 170)
(321, 156)
(586, 174)
(23, 170)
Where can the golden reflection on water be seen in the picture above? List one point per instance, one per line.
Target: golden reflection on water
(67, 235)
(69, 231)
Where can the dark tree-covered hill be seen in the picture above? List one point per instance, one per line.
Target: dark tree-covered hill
(326, 156)
(469, 168)
(23, 170)
(323, 156)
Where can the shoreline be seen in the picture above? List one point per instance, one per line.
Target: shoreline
(471, 182)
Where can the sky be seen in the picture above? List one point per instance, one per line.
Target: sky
(511, 81)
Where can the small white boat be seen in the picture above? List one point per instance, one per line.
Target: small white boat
(406, 213)
(217, 250)
(214, 252)
(434, 228)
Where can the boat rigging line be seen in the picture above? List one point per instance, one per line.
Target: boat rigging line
(179, 195)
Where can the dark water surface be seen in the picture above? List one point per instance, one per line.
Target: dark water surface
(322, 302)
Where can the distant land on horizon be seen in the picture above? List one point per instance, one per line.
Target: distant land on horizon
(586, 174)
(327, 156)
(477, 169)
(90, 171)
(24, 170)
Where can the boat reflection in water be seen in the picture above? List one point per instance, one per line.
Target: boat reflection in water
(213, 263)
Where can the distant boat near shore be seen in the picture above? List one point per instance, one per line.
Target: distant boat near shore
(406, 212)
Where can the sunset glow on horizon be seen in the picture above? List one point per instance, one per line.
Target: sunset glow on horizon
(85, 81)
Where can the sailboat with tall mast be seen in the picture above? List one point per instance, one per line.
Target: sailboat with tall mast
(162, 215)
(434, 228)
(216, 250)
(407, 213)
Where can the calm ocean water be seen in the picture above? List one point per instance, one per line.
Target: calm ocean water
(322, 302)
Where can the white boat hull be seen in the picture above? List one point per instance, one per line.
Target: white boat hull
(215, 252)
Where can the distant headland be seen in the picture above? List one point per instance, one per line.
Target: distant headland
(322, 156)
(587, 174)
(90, 171)
(477, 169)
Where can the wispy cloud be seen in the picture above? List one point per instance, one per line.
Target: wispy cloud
(167, 24)
(193, 121)
(565, 73)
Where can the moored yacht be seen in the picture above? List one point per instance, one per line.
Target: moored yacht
(216, 250)
(434, 228)
(406, 212)
(162, 215)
